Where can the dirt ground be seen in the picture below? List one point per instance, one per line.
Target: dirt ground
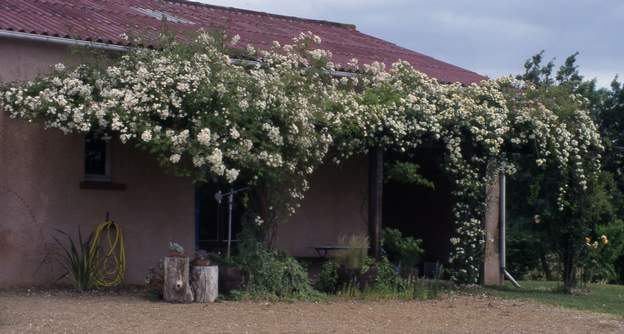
(62, 312)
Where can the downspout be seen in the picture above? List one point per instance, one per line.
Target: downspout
(502, 202)
(501, 230)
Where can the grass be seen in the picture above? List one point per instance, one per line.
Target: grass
(601, 298)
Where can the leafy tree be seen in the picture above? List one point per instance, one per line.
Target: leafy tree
(537, 73)
(541, 228)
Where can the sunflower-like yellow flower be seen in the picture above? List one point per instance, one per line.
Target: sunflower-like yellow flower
(604, 239)
(588, 240)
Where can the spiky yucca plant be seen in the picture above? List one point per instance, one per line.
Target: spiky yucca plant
(79, 262)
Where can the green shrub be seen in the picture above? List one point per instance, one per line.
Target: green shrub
(403, 251)
(328, 278)
(387, 276)
(270, 273)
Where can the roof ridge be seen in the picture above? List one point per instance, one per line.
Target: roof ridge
(405, 50)
(256, 12)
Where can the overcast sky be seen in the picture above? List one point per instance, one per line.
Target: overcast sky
(491, 37)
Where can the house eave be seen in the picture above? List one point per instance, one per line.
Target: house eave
(62, 41)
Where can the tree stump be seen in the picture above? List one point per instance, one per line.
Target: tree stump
(176, 287)
(205, 283)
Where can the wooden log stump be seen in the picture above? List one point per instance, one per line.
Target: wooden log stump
(205, 283)
(176, 287)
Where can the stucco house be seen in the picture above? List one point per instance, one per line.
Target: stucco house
(53, 181)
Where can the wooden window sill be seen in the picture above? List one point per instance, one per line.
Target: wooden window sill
(101, 185)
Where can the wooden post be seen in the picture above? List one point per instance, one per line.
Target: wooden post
(205, 283)
(375, 196)
(176, 287)
(492, 274)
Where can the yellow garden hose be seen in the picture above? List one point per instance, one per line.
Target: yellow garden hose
(111, 263)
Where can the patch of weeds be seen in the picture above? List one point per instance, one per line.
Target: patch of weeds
(402, 289)
(378, 281)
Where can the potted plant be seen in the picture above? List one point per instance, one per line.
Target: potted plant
(175, 250)
(201, 259)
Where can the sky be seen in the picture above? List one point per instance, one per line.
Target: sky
(491, 37)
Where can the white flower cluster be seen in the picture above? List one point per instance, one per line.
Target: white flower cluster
(203, 137)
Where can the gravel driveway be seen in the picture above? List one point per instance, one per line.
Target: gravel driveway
(45, 312)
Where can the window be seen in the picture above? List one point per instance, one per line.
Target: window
(97, 158)
(211, 220)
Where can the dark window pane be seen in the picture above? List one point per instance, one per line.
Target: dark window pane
(212, 217)
(210, 214)
(95, 156)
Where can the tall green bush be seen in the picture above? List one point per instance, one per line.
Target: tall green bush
(403, 251)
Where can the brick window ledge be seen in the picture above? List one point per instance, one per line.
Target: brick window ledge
(101, 185)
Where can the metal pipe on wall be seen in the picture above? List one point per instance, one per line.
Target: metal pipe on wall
(501, 220)
(502, 229)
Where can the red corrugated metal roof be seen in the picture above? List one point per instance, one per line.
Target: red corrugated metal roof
(105, 20)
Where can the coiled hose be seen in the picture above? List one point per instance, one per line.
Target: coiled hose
(111, 263)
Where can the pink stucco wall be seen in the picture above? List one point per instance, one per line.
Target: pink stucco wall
(336, 204)
(40, 172)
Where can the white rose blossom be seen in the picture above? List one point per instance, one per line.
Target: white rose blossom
(146, 136)
(174, 158)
